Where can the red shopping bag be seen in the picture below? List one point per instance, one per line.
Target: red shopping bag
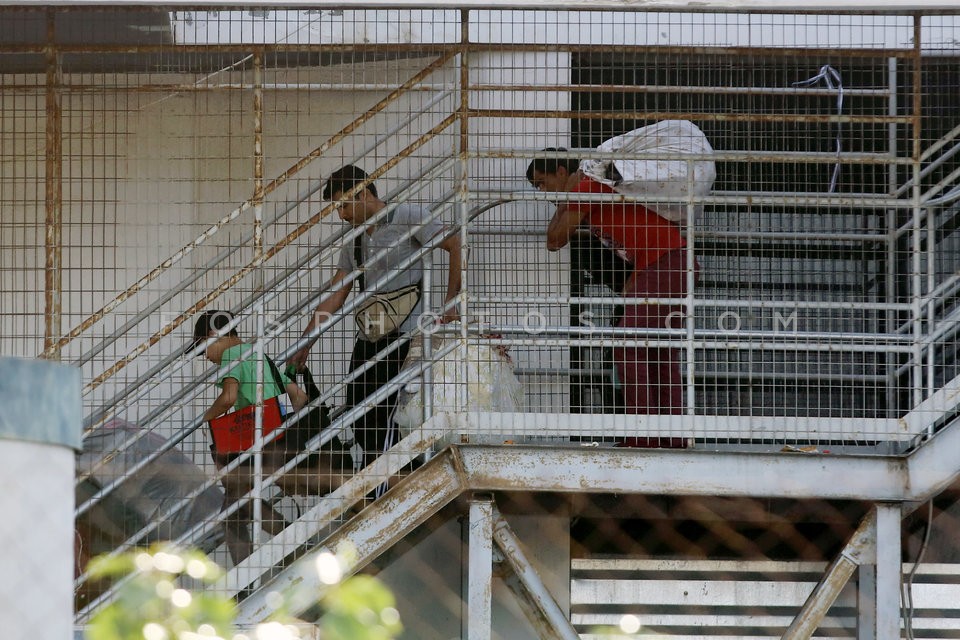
(233, 432)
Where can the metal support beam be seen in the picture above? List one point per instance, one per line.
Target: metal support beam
(378, 528)
(888, 572)
(925, 472)
(786, 475)
(857, 550)
(480, 573)
(536, 593)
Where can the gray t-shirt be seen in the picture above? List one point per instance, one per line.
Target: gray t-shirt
(387, 236)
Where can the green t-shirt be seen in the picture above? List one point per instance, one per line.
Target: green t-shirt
(245, 373)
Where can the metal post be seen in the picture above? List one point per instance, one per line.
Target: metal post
(888, 572)
(257, 200)
(867, 602)
(916, 292)
(892, 239)
(53, 241)
(426, 378)
(257, 524)
(480, 574)
(691, 282)
(931, 236)
(464, 187)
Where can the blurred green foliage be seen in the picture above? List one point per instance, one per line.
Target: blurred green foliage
(161, 596)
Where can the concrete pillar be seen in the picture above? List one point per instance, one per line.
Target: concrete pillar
(40, 430)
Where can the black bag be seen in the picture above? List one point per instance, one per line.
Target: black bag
(313, 422)
(599, 263)
(318, 419)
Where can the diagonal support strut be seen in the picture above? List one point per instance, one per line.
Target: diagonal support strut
(860, 549)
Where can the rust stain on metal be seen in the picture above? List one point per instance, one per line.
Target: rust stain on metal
(53, 241)
(258, 153)
(244, 48)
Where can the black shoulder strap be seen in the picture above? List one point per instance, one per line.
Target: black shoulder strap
(358, 258)
(277, 378)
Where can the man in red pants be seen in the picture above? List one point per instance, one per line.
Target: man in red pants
(651, 377)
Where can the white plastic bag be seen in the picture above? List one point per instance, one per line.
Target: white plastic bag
(472, 377)
(651, 176)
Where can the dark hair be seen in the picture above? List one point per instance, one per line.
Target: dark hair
(344, 179)
(212, 319)
(549, 164)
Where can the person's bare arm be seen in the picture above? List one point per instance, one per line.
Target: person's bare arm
(225, 401)
(297, 397)
(323, 311)
(564, 222)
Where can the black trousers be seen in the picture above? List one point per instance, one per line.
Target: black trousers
(373, 427)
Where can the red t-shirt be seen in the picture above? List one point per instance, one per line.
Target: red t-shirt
(637, 233)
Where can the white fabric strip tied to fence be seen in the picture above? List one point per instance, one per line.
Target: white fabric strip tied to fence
(650, 175)
(472, 377)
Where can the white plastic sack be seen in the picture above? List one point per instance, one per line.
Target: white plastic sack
(650, 176)
(472, 377)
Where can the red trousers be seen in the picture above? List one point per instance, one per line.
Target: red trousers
(651, 377)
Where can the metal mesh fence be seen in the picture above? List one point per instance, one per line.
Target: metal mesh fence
(160, 163)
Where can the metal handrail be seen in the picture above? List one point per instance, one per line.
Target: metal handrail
(300, 269)
(196, 274)
(267, 189)
(260, 259)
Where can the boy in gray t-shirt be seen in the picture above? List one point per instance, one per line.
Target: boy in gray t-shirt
(373, 429)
